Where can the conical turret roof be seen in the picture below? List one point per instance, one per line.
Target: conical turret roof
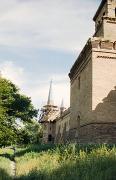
(50, 95)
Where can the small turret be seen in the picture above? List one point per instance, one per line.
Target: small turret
(47, 118)
(105, 20)
(49, 110)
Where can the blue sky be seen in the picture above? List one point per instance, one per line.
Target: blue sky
(40, 40)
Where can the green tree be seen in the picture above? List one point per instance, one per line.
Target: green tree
(13, 106)
(31, 133)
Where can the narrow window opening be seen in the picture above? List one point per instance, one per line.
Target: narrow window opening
(98, 22)
(78, 121)
(79, 82)
(115, 12)
(104, 14)
(49, 137)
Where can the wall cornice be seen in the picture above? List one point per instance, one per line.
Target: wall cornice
(91, 45)
(82, 57)
(99, 9)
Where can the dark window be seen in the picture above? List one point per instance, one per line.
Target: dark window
(49, 137)
(79, 82)
(104, 14)
(78, 121)
(115, 12)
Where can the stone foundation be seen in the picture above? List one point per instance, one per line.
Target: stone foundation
(98, 133)
(90, 133)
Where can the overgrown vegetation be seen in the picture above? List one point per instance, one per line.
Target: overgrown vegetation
(5, 164)
(44, 162)
(71, 162)
(14, 107)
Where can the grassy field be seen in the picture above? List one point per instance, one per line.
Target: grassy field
(70, 162)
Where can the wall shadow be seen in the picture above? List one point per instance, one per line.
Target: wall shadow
(102, 126)
(106, 110)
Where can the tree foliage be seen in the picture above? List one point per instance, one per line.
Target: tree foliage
(31, 133)
(13, 106)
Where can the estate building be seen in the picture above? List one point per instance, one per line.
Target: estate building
(91, 117)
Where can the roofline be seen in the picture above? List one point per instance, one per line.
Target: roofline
(50, 106)
(79, 59)
(99, 9)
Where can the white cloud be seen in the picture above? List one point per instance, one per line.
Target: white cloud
(53, 24)
(61, 90)
(38, 92)
(56, 24)
(10, 71)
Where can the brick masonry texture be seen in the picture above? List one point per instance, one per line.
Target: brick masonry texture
(98, 133)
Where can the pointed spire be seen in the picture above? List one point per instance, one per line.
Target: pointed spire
(50, 96)
(62, 108)
(62, 104)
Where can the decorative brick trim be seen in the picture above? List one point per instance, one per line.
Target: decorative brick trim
(112, 22)
(110, 19)
(106, 45)
(91, 44)
(106, 57)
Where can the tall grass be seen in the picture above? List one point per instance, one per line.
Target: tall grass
(61, 162)
(71, 162)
